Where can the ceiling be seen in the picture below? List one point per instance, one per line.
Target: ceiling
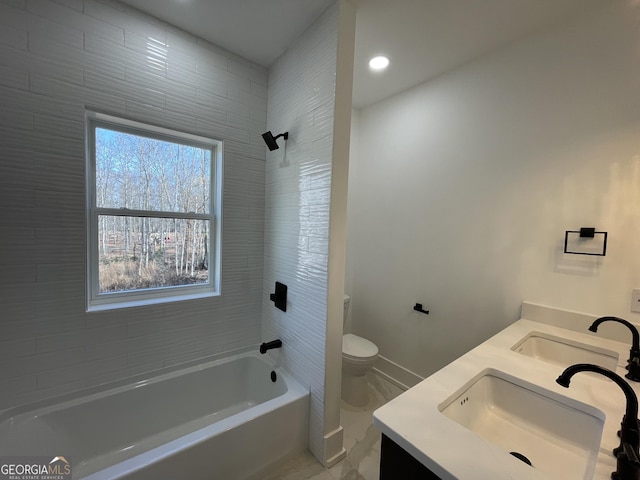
(423, 38)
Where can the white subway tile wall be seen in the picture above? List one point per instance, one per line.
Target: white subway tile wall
(56, 59)
(298, 180)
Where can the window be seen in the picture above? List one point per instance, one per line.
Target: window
(153, 214)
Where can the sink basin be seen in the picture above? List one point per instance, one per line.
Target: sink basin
(564, 352)
(558, 435)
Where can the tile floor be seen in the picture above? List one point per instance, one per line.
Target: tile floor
(361, 439)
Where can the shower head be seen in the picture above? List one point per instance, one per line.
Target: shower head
(270, 140)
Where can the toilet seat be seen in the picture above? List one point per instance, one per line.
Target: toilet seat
(358, 348)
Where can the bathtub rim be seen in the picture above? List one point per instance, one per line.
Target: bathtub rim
(153, 376)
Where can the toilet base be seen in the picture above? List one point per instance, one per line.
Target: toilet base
(355, 390)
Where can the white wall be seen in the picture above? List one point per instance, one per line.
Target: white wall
(302, 101)
(56, 58)
(461, 190)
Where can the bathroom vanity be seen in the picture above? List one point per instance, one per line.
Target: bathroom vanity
(496, 409)
(396, 462)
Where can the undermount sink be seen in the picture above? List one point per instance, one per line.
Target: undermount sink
(564, 352)
(559, 436)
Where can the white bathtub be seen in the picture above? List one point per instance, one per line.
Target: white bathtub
(224, 420)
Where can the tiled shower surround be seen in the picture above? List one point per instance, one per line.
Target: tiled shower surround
(302, 90)
(56, 59)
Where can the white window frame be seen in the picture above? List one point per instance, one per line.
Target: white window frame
(104, 301)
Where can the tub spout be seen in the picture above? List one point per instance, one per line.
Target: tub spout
(269, 345)
(633, 364)
(627, 453)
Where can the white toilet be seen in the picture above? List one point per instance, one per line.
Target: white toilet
(358, 357)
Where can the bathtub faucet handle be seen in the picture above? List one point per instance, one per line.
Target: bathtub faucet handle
(269, 345)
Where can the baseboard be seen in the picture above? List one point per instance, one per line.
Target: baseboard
(333, 447)
(396, 374)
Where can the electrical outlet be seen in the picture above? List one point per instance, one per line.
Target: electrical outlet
(635, 300)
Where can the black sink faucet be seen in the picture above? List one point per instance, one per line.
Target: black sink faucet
(627, 454)
(269, 345)
(633, 364)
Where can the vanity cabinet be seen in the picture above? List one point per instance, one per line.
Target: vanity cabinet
(396, 462)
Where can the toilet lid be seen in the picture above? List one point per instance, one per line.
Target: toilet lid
(358, 347)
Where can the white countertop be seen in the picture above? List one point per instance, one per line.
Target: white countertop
(414, 421)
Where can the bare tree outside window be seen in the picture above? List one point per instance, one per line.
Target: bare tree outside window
(152, 210)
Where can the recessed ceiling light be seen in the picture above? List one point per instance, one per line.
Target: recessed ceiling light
(378, 63)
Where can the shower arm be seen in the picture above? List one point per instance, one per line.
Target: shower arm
(285, 135)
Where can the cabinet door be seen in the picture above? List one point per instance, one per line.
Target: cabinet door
(396, 463)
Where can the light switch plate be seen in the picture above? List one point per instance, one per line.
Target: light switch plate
(635, 300)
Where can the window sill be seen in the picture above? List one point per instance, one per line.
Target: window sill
(149, 301)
